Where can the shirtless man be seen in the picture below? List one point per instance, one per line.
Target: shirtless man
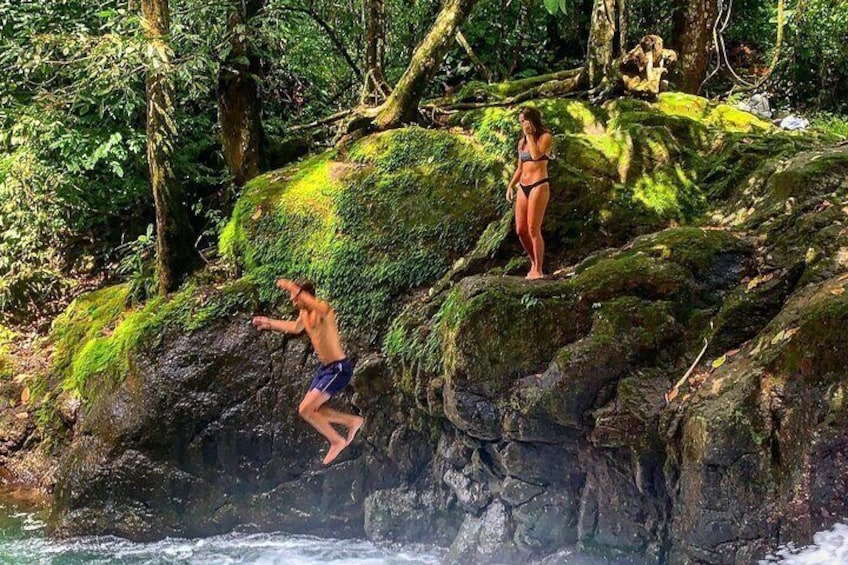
(319, 321)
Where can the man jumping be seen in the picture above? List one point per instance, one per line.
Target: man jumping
(319, 321)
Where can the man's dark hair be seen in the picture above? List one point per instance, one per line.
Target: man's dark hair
(306, 285)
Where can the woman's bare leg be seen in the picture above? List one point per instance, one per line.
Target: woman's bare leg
(538, 203)
(522, 227)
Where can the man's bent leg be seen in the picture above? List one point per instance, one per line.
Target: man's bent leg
(351, 421)
(309, 411)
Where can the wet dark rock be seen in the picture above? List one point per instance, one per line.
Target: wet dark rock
(487, 539)
(472, 495)
(412, 515)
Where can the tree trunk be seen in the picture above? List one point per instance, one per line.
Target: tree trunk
(375, 85)
(402, 104)
(606, 37)
(475, 60)
(239, 101)
(175, 253)
(693, 33)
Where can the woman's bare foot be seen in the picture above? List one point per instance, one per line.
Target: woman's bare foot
(351, 431)
(535, 276)
(532, 269)
(335, 449)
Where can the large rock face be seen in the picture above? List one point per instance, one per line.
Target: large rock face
(204, 435)
(506, 420)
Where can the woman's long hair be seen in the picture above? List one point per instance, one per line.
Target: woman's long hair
(534, 116)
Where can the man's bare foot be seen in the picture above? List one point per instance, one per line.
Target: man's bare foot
(535, 276)
(351, 431)
(335, 449)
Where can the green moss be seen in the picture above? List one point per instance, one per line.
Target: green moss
(807, 172)
(818, 350)
(497, 128)
(627, 333)
(717, 116)
(681, 104)
(95, 337)
(730, 119)
(390, 215)
(625, 314)
(669, 193)
(692, 247)
(8, 366)
(91, 315)
(737, 161)
(494, 330)
(413, 347)
(684, 130)
(633, 273)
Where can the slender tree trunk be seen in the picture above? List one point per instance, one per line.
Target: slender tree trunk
(605, 39)
(375, 86)
(239, 101)
(402, 104)
(524, 13)
(475, 60)
(692, 35)
(175, 253)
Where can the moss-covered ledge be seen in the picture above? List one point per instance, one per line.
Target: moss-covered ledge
(94, 340)
(370, 223)
(482, 337)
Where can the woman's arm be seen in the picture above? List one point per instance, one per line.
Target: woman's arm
(515, 178)
(540, 146)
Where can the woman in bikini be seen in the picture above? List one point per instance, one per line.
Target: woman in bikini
(531, 176)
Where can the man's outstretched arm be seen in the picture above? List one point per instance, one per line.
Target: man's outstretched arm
(285, 326)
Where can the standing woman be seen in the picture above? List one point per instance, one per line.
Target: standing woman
(531, 176)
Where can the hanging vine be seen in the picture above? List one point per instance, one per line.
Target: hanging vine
(725, 9)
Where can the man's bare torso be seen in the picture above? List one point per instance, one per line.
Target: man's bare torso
(324, 334)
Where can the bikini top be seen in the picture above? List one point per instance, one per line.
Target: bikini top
(525, 156)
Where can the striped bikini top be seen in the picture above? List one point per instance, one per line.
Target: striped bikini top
(525, 156)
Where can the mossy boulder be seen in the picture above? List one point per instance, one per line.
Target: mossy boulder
(627, 168)
(795, 209)
(495, 331)
(368, 224)
(759, 428)
(94, 340)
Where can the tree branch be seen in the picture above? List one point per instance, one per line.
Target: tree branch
(481, 68)
(322, 122)
(331, 34)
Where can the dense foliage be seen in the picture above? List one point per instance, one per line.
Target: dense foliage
(74, 193)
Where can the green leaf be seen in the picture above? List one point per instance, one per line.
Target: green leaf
(551, 6)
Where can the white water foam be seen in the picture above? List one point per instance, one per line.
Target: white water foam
(828, 548)
(228, 549)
